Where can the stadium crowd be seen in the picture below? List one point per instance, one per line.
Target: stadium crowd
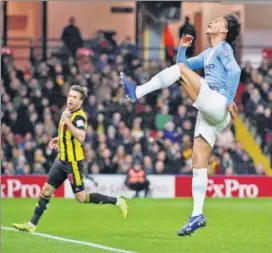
(157, 132)
(256, 101)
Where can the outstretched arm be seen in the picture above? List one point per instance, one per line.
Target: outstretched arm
(193, 63)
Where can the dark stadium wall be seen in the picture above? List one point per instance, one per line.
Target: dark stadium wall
(90, 17)
(24, 21)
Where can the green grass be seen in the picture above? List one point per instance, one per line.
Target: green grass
(234, 226)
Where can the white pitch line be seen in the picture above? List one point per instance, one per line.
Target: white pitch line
(58, 238)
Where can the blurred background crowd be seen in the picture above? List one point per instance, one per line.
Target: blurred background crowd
(156, 133)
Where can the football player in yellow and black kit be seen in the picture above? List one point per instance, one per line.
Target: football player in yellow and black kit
(71, 135)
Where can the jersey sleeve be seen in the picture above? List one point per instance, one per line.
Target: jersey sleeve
(194, 63)
(226, 56)
(80, 122)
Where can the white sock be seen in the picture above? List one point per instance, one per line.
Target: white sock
(162, 80)
(199, 187)
(31, 224)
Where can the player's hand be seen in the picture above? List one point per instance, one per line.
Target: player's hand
(66, 115)
(233, 110)
(53, 144)
(186, 40)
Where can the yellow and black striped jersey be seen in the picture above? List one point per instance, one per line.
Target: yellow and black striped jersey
(70, 149)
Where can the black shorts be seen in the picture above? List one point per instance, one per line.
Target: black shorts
(138, 186)
(61, 170)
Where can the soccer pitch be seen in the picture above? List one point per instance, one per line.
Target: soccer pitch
(234, 226)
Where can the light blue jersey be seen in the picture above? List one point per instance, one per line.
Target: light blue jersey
(222, 72)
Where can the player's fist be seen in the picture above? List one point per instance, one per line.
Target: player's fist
(66, 116)
(186, 40)
(233, 110)
(53, 144)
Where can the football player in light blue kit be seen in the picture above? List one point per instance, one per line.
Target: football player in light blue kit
(212, 95)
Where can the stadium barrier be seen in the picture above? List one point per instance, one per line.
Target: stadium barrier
(161, 186)
(25, 187)
(228, 187)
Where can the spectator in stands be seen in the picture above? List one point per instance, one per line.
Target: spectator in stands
(137, 153)
(245, 165)
(94, 169)
(71, 37)
(230, 172)
(268, 77)
(126, 165)
(226, 162)
(163, 117)
(246, 73)
(180, 116)
(252, 103)
(225, 139)
(238, 152)
(188, 29)
(159, 167)
(260, 170)
(263, 69)
(148, 165)
(137, 132)
(9, 169)
(105, 162)
(128, 45)
(187, 150)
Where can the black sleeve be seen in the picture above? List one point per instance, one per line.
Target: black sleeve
(80, 122)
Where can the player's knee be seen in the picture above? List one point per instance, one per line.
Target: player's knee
(81, 198)
(182, 67)
(47, 190)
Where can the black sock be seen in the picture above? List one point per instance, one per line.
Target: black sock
(97, 198)
(41, 206)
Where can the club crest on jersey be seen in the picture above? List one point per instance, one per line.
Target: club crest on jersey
(80, 123)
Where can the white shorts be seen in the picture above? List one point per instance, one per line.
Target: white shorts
(213, 116)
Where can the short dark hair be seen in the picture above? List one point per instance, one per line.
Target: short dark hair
(82, 90)
(234, 28)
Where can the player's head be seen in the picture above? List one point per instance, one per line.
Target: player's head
(72, 20)
(228, 27)
(76, 96)
(234, 28)
(137, 165)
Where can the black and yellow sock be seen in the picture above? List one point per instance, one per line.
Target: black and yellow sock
(98, 198)
(41, 206)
